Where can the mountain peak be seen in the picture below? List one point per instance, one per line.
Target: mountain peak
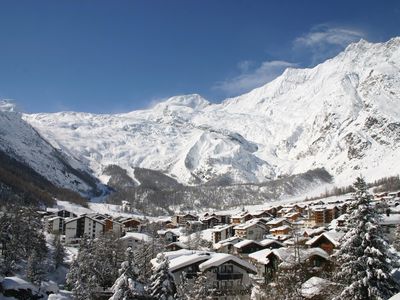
(193, 101)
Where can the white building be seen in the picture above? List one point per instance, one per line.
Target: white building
(81, 226)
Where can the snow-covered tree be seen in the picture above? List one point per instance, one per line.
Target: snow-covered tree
(35, 270)
(95, 267)
(126, 287)
(197, 288)
(364, 263)
(162, 283)
(396, 241)
(59, 252)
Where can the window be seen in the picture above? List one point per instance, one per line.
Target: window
(226, 269)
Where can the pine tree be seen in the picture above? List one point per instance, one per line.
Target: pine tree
(35, 271)
(196, 288)
(364, 262)
(59, 252)
(95, 267)
(126, 287)
(396, 241)
(80, 278)
(162, 283)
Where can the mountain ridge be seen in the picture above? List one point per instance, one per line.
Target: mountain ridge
(342, 114)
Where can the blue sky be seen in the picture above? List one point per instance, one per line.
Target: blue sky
(114, 56)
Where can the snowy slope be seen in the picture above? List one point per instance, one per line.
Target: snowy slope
(21, 142)
(343, 114)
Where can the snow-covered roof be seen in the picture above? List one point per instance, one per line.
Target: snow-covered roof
(187, 260)
(333, 236)
(244, 243)
(179, 244)
(182, 258)
(267, 242)
(287, 255)
(15, 283)
(218, 259)
(136, 236)
(280, 228)
(261, 256)
(248, 224)
(314, 287)
(291, 214)
(277, 221)
(219, 228)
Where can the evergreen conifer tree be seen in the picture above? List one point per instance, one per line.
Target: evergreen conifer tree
(126, 287)
(364, 262)
(59, 252)
(162, 283)
(35, 271)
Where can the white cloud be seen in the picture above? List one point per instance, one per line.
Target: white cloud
(249, 78)
(324, 41)
(323, 35)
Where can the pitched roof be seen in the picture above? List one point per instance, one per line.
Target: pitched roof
(333, 236)
(244, 243)
(218, 259)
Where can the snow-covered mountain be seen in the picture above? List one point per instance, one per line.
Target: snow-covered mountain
(343, 115)
(22, 142)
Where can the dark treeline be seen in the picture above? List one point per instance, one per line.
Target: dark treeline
(385, 184)
(159, 194)
(26, 186)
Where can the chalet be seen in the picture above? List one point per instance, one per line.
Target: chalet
(285, 210)
(311, 232)
(250, 231)
(281, 230)
(300, 208)
(292, 216)
(389, 225)
(223, 218)
(277, 222)
(268, 261)
(327, 241)
(322, 215)
(247, 246)
(193, 226)
(82, 226)
(130, 224)
(133, 239)
(242, 217)
(227, 274)
(271, 244)
(221, 232)
(210, 221)
(261, 214)
(226, 246)
(181, 219)
(170, 235)
(111, 226)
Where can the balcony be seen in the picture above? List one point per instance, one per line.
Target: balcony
(229, 276)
